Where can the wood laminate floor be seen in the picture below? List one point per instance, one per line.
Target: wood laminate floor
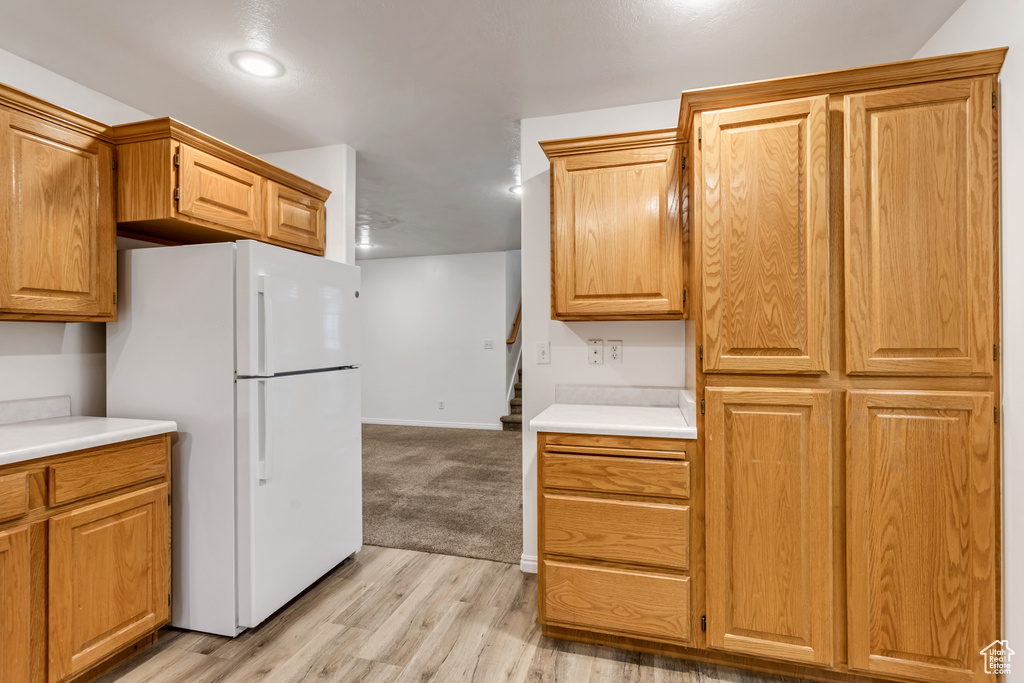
(401, 615)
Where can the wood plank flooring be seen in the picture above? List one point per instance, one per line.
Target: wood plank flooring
(401, 615)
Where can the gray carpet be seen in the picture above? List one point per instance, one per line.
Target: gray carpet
(449, 491)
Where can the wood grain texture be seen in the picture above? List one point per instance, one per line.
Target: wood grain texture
(58, 242)
(146, 178)
(220, 192)
(921, 529)
(11, 98)
(15, 605)
(107, 468)
(616, 475)
(769, 523)
(920, 230)
(108, 578)
(617, 600)
(294, 219)
(765, 238)
(637, 533)
(616, 235)
(895, 74)
(13, 496)
(641, 446)
(609, 143)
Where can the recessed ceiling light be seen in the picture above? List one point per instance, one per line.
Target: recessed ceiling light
(516, 189)
(257, 64)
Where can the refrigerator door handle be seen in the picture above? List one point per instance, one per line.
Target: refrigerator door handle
(267, 316)
(263, 452)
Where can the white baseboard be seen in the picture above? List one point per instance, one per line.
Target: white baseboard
(423, 423)
(528, 564)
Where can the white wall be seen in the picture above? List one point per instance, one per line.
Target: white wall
(653, 352)
(332, 167)
(513, 298)
(47, 359)
(425, 320)
(977, 25)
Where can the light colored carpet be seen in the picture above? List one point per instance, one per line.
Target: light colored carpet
(448, 491)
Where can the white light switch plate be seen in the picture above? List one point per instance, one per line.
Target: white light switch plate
(488, 344)
(595, 351)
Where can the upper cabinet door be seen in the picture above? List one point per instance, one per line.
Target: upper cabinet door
(922, 534)
(57, 238)
(617, 250)
(920, 230)
(764, 243)
(220, 192)
(295, 219)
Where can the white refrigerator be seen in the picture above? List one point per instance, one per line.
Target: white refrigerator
(254, 351)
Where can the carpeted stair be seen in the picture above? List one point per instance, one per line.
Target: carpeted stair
(513, 422)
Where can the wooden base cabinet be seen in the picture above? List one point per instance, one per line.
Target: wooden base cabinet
(85, 563)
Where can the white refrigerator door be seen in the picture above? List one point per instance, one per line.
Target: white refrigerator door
(295, 311)
(299, 485)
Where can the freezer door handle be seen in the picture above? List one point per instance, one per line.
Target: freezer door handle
(267, 320)
(264, 436)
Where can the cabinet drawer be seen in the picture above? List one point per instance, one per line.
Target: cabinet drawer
(617, 531)
(619, 446)
(13, 496)
(107, 469)
(616, 600)
(617, 475)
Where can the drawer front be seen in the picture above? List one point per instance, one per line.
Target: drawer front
(220, 192)
(616, 600)
(617, 475)
(617, 531)
(107, 469)
(13, 496)
(618, 446)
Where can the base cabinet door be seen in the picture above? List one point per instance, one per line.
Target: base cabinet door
(921, 534)
(15, 605)
(109, 577)
(769, 523)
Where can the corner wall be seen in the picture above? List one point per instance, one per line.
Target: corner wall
(977, 25)
(653, 352)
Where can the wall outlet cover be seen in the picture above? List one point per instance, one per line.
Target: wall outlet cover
(614, 355)
(595, 351)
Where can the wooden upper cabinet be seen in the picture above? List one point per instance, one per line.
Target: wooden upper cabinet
(109, 578)
(922, 534)
(182, 186)
(769, 526)
(57, 239)
(617, 236)
(920, 230)
(764, 237)
(15, 605)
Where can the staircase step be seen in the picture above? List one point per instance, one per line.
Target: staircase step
(517, 386)
(512, 423)
(517, 401)
(517, 410)
(512, 418)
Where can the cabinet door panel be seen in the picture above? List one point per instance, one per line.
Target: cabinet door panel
(764, 253)
(617, 237)
(920, 234)
(769, 523)
(295, 219)
(15, 605)
(215, 190)
(58, 242)
(921, 533)
(109, 577)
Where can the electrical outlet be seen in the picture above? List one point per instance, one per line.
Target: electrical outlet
(595, 351)
(440, 405)
(615, 352)
(543, 353)
(488, 344)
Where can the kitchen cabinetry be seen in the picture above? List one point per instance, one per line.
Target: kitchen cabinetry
(84, 559)
(183, 186)
(57, 236)
(614, 525)
(617, 236)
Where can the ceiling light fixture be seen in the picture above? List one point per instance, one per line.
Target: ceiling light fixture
(257, 64)
(516, 189)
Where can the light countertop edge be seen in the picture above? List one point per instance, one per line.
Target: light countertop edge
(579, 418)
(22, 441)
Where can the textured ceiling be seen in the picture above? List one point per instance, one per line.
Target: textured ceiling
(430, 93)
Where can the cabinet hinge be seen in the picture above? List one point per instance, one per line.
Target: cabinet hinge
(995, 415)
(684, 164)
(993, 100)
(702, 406)
(684, 296)
(115, 297)
(168, 599)
(700, 134)
(177, 160)
(995, 352)
(703, 622)
(702, 352)
(177, 194)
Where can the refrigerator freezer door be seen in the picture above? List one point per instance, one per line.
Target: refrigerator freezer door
(299, 485)
(295, 311)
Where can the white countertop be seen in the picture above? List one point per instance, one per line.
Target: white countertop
(32, 439)
(623, 411)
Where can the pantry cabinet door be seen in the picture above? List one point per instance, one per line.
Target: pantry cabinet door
(15, 605)
(769, 523)
(920, 232)
(764, 245)
(57, 234)
(921, 533)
